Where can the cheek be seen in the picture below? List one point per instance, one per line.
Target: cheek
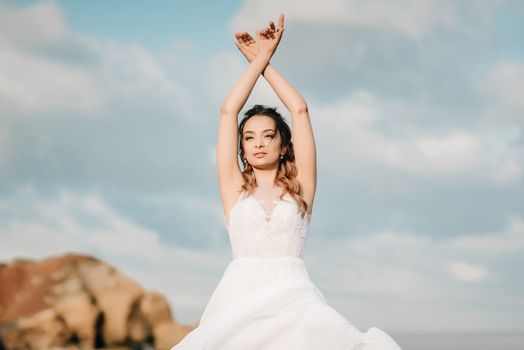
(248, 147)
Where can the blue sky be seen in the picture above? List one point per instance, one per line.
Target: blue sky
(154, 25)
(108, 117)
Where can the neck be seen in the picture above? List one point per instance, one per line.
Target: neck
(266, 177)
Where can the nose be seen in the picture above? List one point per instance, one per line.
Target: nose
(260, 143)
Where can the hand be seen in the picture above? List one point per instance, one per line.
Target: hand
(267, 40)
(247, 45)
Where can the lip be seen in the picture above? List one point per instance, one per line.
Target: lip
(259, 154)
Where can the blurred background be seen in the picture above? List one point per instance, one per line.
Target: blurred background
(108, 119)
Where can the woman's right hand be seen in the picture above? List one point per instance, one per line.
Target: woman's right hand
(247, 45)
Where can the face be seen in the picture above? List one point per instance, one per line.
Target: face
(260, 136)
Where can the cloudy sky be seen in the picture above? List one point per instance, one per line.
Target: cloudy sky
(108, 118)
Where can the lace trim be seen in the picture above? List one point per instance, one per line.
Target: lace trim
(243, 198)
(252, 235)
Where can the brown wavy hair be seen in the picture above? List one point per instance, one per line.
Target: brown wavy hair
(287, 170)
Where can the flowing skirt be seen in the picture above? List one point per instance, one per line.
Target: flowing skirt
(271, 303)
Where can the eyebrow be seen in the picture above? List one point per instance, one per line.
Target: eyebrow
(249, 131)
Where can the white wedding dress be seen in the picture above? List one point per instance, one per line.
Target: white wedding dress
(265, 299)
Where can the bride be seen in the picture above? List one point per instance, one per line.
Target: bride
(265, 299)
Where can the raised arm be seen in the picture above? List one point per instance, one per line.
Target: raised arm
(229, 174)
(301, 129)
(240, 92)
(301, 132)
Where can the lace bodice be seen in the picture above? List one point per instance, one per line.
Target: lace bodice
(254, 234)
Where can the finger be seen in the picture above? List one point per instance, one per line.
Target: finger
(281, 22)
(243, 37)
(272, 25)
(271, 33)
(250, 39)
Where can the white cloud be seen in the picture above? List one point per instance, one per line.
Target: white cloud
(55, 226)
(455, 152)
(408, 264)
(132, 74)
(358, 119)
(30, 82)
(5, 148)
(503, 86)
(355, 112)
(511, 240)
(36, 24)
(31, 85)
(413, 18)
(46, 71)
(104, 110)
(467, 272)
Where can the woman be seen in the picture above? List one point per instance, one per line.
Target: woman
(265, 299)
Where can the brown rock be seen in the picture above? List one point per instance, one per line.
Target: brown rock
(43, 330)
(139, 330)
(79, 302)
(80, 314)
(26, 286)
(155, 308)
(115, 295)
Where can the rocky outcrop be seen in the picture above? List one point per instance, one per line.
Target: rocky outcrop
(79, 302)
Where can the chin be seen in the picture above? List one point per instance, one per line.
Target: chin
(264, 162)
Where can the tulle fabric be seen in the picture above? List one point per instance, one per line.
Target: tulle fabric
(271, 303)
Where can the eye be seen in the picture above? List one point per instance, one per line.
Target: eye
(270, 136)
(248, 138)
